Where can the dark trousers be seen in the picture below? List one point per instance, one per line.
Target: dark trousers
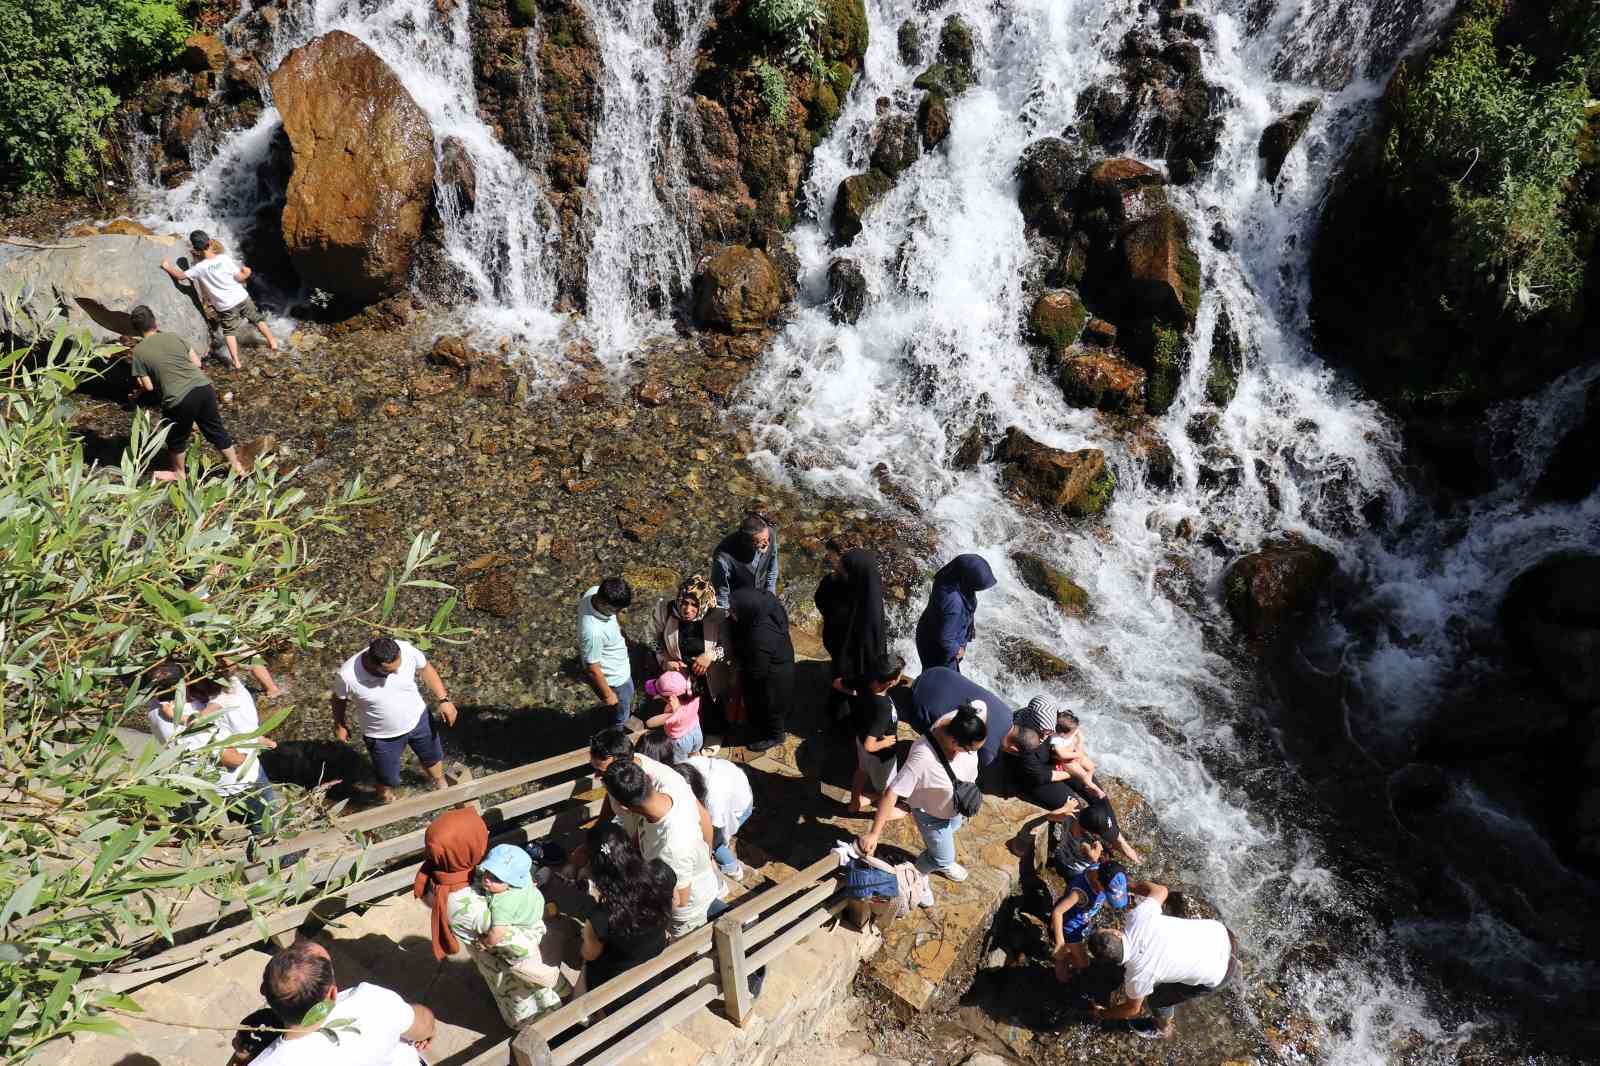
(767, 699)
(197, 407)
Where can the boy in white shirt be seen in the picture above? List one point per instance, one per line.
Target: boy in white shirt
(220, 281)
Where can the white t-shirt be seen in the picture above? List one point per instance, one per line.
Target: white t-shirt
(215, 280)
(922, 781)
(378, 1017)
(727, 790)
(237, 717)
(385, 705)
(1161, 950)
(677, 841)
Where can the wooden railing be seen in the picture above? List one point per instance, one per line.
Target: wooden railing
(714, 962)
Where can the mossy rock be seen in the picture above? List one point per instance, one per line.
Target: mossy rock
(824, 107)
(955, 43)
(857, 194)
(524, 13)
(841, 76)
(1051, 583)
(944, 79)
(844, 30)
(1227, 361)
(909, 40)
(1029, 659)
(1057, 319)
(1094, 500)
(933, 120)
(1168, 358)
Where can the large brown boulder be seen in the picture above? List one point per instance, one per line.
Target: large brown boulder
(363, 168)
(1051, 583)
(1274, 585)
(1160, 272)
(1076, 482)
(737, 289)
(1551, 617)
(857, 193)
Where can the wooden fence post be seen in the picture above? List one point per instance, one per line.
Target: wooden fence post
(728, 936)
(528, 1048)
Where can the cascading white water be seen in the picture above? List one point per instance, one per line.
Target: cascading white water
(940, 343)
(637, 189)
(500, 247)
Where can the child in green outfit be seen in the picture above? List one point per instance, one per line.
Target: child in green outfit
(516, 913)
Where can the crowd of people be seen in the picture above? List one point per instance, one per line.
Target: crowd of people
(659, 860)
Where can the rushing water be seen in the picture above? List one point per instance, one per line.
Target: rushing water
(941, 346)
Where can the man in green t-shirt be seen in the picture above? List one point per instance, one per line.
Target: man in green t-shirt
(165, 362)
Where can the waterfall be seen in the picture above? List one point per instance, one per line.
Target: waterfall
(500, 248)
(940, 345)
(637, 191)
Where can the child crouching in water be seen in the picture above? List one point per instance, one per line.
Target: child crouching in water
(680, 719)
(516, 921)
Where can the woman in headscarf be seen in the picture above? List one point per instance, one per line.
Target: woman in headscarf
(946, 626)
(522, 986)
(760, 638)
(850, 599)
(689, 637)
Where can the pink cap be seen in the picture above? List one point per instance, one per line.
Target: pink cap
(670, 683)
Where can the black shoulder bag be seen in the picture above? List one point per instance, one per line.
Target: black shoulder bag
(968, 796)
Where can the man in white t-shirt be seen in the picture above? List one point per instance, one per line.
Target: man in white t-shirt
(220, 281)
(1165, 960)
(368, 1025)
(380, 684)
(673, 828)
(215, 712)
(928, 790)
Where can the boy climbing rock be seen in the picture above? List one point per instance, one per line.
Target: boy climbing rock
(220, 280)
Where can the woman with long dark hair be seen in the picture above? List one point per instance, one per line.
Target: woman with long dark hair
(760, 631)
(630, 925)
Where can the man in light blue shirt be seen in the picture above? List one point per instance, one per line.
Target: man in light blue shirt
(603, 649)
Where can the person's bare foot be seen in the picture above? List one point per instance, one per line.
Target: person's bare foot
(272, 693)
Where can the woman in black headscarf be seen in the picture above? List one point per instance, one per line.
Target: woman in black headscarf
(862, 642)
(760, 639)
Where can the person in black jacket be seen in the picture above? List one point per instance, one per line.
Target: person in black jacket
(760, 638)
(850, 599)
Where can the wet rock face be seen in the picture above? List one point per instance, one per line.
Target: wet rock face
(738, 289)
(1273, 586)
(1057, 319)
(1126, 189)
(1077, 483)
(456, 172)
(1551, 619)
(1279, 139)
(1571, 472)
(847, 291)
(1227, 362)
(856, 195)
(1098, 378)
(1048, 176)
(1158, 104)
(101, 278)
(363, 169)
(1051, 583)
(898, 145)
(1159, 272)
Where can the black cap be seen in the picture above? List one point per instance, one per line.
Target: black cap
(199, 240)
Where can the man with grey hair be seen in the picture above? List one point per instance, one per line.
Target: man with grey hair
(747, 558)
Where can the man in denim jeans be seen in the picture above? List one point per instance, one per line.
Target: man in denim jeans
(930, 792)
(381, 684)
(603, 650)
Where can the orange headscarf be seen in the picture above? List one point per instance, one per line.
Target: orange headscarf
(455, 843)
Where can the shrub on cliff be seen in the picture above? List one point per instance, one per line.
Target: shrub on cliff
(63, 63)
(1480, 129)
(103, 575)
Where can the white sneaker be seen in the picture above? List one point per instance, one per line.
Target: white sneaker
(927, 897)
(954, 872)
(735, 874)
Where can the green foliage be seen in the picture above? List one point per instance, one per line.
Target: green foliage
(788, 22)
(63, 61)
(774, 91)
(102, 576)
(1500, 146)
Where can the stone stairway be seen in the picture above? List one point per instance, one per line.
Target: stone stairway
(216, 995)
